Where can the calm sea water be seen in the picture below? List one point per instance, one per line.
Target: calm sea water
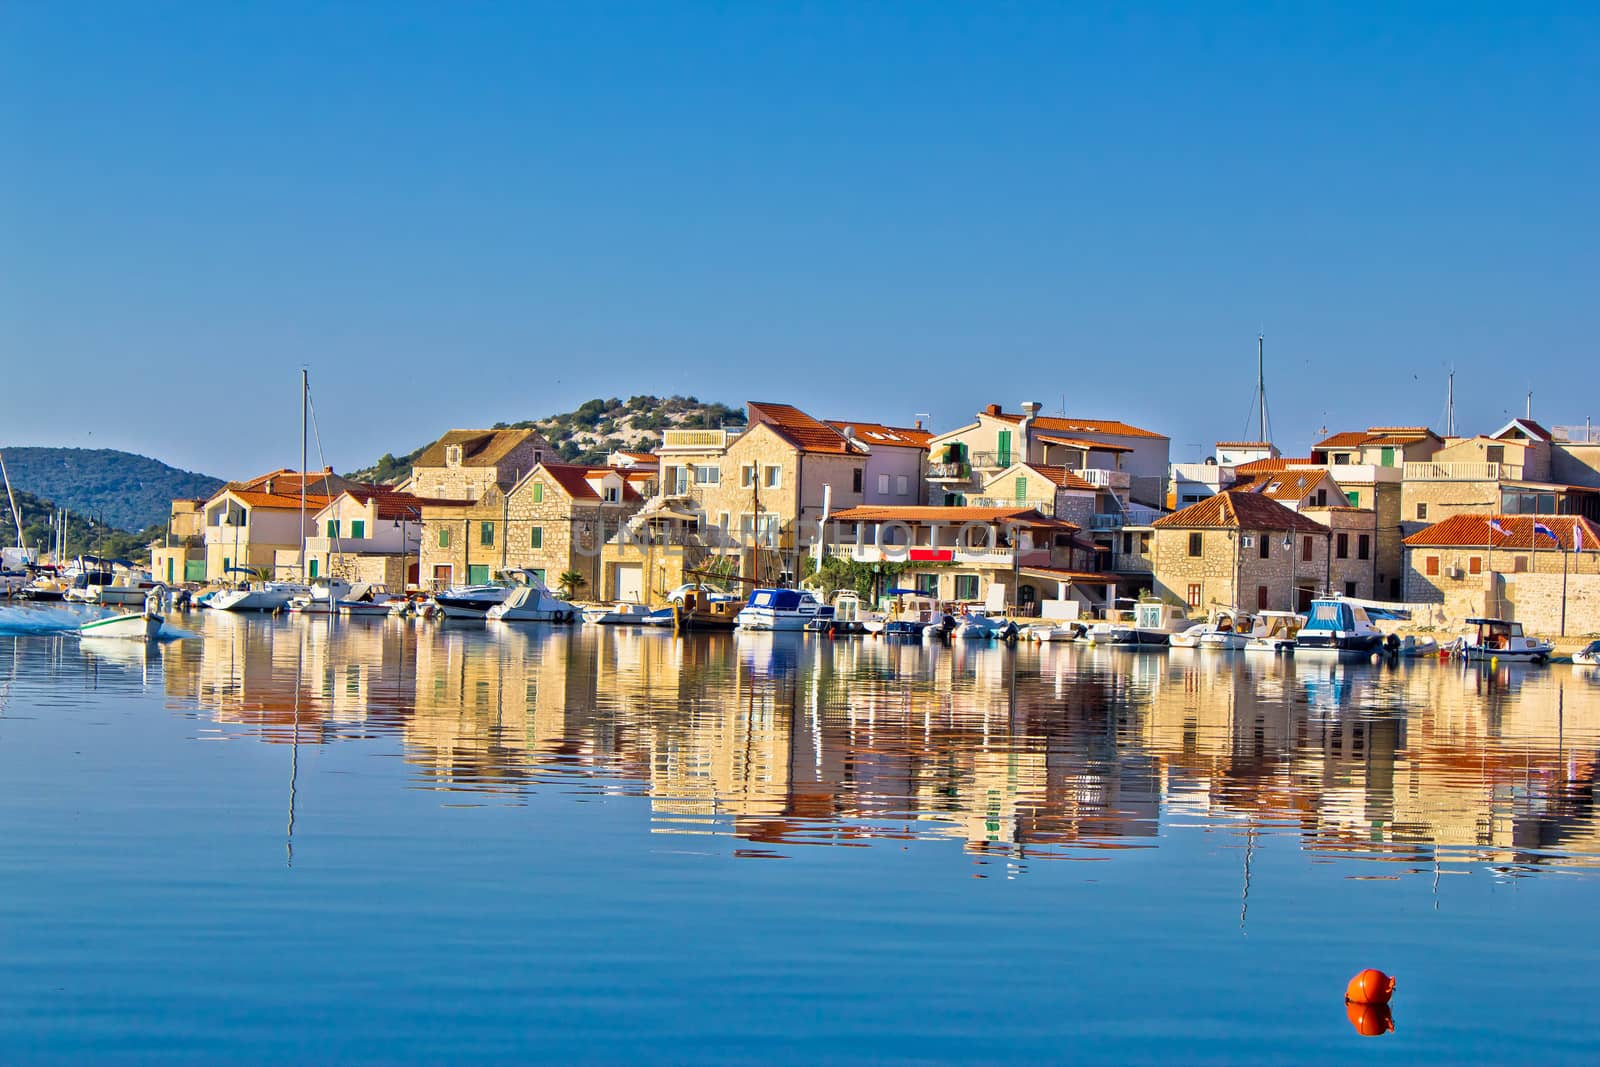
(304, 840)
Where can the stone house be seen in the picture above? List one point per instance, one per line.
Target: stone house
(1507, 472)
(369, 535)
(1299, 488)
(1352, 550)
(180, 555)
(1102, 451)
(1466, 568)
(1242, 550)
(463, 464)
(1055, 491)
(554, 520)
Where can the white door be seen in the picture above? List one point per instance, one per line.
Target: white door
(630, 583)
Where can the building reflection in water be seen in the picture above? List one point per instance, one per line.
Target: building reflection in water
(1042, 751)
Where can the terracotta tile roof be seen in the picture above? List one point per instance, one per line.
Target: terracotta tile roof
(1266, 466)
(1239, 509)
(1528, 425)
(1388, 440)
(1244, 444)
(1413, 432)
(282, 501)
(395, 505)
(801, 430)
(642, 457)
(479, 448)
(1060, 476)
(876, 433)
(926, 514)
(1078, 442)
(1291, 485)
(1114, 427)
(1075, 576)
(1472, 531)
(1348, 439)
(574, 480)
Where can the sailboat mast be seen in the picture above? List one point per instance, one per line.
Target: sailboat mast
(305, 394)
(1450, 406)
(1261, 384)
(16, 516)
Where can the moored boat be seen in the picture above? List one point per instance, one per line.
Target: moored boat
(1503, 639)
(1339, 626)
(531, 602)
(778, 609)
(622, 613)
(1588, 656)
(140, 626)
(1274, 632)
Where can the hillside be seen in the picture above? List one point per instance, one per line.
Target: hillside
(83, 536)
(129, 491)
(588, 434)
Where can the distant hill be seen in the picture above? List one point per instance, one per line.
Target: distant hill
(590, 433)
(83, 535)
(129, 491)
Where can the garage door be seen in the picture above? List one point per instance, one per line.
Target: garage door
(630, 583)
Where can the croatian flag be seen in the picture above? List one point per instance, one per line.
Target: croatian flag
(1498, 527)
(1541, 528)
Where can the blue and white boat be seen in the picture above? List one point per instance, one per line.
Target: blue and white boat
(778, 609)
(1345, 627)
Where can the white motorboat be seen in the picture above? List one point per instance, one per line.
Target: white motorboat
(1588, 656)
(1343, 627)
(1115, 629)
(978, 625)
(531, 602)
(139, 626)
(1274, 632)
(471, 601)
(622, 613)
(778, 609)
(322, 599)
(1502, 639)
(1413, 647)
(1061, 631)
(128, 588)
(263, 596)
(1226, 631)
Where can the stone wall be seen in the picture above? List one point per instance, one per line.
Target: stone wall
(1524, 585)
(1230, 574)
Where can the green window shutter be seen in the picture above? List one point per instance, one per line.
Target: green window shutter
(313, 568)
(358, 528)
(478, 574)
(486, 533)
(226, 563)
(333, 527)
(1022, 488)
(444, 537)
(538, 537)
(538, 492)
(194, 570)
(1354, 498)
(1388, 456)
(1004, 448)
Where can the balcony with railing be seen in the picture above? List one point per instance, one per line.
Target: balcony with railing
(1104, 479)
(1132, 515)
(958, 471)
(1043, 507)
(1463, 472)
(697, 440)
(994, 461)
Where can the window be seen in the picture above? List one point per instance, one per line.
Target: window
(1265, 539)
(536, 538)
(1321, 498)
(613, 494)
(538, 492)
(1430, 566)
(855, 480)
(928, 584)
(1350, 589)
(966, 587)
(1386, 457)
(1341, 457)
(333, 527)
(1003, 449)
(478, 574)
(1127, 544)
(1194, 594)
(902, 485)
(747, 476)
(358, 528)
(1261, 598)
(313, 568)
(1342, 546)
(226, 563)
(1475, 565)
(1305, 549)
(708, 476)
(486, 533)
(1144, 544)
(1363, 547)
(1353, 498)
(883, 485)
(1197, 544)
(1495, 454)
(1519, 564)
(774, 477)
(444, 537)
(1021, 488)
(1422, 511)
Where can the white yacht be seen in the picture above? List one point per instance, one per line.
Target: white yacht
(530, 601)
(778, 609)
(618, 614)
(260, 596)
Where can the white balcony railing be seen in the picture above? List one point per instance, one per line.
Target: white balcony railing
(1105, 479)
(1463, 472)
(1132, 515)
(1045, 507)
(696, 439)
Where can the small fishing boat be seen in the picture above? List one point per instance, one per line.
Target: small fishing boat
(1228, 632)
(1274, 632)
(661, 617)
(1588, 656)
(978, 625)
(912, 614)
(1054, 631)
(622, 613)
(691, 613)
(257, 596)
(140, 626)
(1116, 628)
(778, 609)
(1222, 620)
(1413, 646)
(1503, 639)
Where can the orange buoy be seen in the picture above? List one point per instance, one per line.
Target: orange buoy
(1370, 1020)
(1371, 986)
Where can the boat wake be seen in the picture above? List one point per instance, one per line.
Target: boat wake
(31, 621)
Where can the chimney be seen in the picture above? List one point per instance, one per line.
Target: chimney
(919, 424)
(992, 409)
(1030, 408)
(268, 487)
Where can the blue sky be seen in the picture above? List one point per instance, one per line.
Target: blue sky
(457, 214)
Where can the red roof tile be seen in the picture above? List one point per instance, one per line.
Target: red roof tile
(1077, 442)
(1239, 509)
(1348, 439)
(801, 430)
(574, 480)
(930, 514)
(876, 433)
(1114, 427)
(1291, 485)
(1244, 444)
(1472, 531)
(1061, 476)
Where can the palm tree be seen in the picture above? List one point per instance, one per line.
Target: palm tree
(570, 582)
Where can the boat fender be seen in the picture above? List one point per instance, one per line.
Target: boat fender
(1371, 986)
